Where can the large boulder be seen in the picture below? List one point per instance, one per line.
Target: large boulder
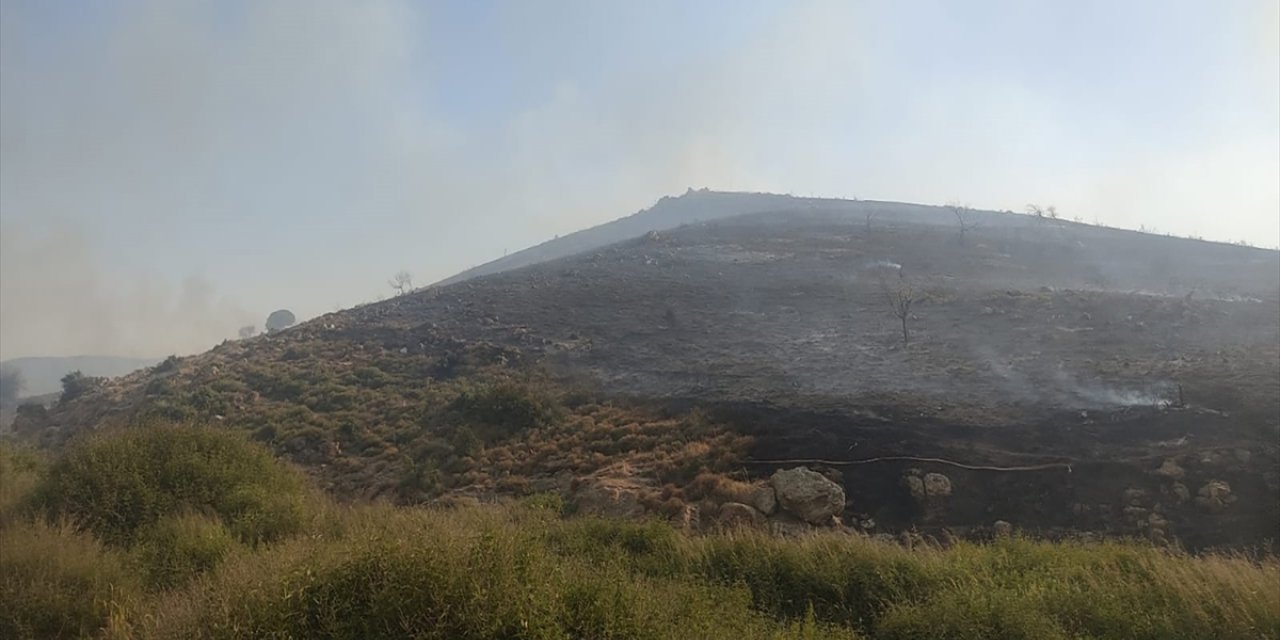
(765, 500)
(808, 495)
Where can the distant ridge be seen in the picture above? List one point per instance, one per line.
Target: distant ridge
(703, 205)
(43, 375)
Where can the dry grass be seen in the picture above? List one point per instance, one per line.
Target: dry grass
(523, 570)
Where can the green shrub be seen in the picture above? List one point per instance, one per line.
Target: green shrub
(76, 384)
(177, 548)
(506, 407)
(19, 474)
(168, 364)
(463, 575)
(119, 482)
(58, 583)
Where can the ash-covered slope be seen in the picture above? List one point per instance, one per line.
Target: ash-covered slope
(1066, 376)
(691, 208)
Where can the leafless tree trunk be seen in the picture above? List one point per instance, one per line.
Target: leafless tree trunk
(965, 224)
(899, 295)
(402, 282)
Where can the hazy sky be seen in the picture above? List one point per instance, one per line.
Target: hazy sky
(171, 170)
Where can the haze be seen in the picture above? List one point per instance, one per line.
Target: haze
(171, 171)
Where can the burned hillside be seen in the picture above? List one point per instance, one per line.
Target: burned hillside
(1061, 377)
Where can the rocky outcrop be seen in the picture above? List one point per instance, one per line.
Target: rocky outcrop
(808, 495)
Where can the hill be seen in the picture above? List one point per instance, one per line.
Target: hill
(1066, 378)
(43, 375)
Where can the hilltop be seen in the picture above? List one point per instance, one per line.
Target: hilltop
(1063, 377)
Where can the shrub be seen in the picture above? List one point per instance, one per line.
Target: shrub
(116, 483)
(177, 548)
(507, 407)
(76, 384)
(19, 473)
(479, 578)
(58, 583)
(167, 365)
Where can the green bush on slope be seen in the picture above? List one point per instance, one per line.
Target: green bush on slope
(117, 483)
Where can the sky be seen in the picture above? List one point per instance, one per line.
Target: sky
(171, 170)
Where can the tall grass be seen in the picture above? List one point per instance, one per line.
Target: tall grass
(522, 570)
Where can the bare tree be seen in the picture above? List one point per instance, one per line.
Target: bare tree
(870, 215)
(899, 295)
(402, 282)
(961, 213)
(248, 331)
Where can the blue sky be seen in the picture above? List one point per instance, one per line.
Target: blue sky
(172, 169)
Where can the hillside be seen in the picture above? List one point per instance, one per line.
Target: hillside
(1065, 378)
(43, 375)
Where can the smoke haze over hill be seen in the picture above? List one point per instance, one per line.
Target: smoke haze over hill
(174, 170)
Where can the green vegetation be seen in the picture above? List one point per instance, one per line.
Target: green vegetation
(204, 565)
(119, 483)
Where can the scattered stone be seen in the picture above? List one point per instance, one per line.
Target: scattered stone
(610, 499)
(787, 526)
(915, 485)
(1136, 513)
(1215, 496)
(1170, 469)
(808, 495)
(734, 515)
(937, 485)
(765, 500)
(1180, 492)
(1002, 528)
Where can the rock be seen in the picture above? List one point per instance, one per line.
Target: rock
(808, 495)
(1215, 496)
(1171, 469)
(1180, 492)
(915, 485)
(609, 499)
(765, 500)
(787, 526)
(936, 485)
(735, 515)
(1002, 529)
